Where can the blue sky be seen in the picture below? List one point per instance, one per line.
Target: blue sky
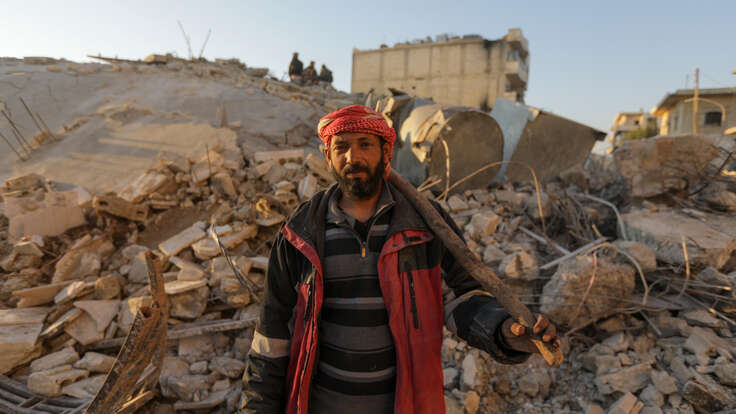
(589, 59)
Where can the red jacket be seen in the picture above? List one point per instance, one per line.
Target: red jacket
(410, 268)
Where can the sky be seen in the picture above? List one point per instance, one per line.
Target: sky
(589, 59)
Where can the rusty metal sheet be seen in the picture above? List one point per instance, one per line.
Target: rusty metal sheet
(135, 372)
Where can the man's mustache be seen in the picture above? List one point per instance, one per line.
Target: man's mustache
(355, 168)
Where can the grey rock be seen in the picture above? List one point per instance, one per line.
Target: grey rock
(630, 379)
(651, 397)
(229, 367)
(664, 382)
(198, 368)
(726, 374)
(619, 342)
(535, 383)
(708, 396)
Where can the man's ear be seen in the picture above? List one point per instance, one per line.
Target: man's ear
(386, 149)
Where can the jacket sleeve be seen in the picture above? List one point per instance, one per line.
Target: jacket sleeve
(470, 312)
(264, 390)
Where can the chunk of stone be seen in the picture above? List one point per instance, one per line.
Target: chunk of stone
(453, 406)
(664, 382)
(138, 272)
(180, 286)
(618, 342)
(102, 311)
(726, 374)
(141, 187)
(484, 224)
(95, 362)
(613, 285)
(223, 183)
(65, 356)
(39, 295)
(86, 388)
(642, 253)
(50, 382)
(492, 255)
(185, 386)
(623, 405)
(651, 397)
(83, 259)
(701, 317)
(190, 304)
(469, 378)
(205, 249)
(189, 271)
(520, 265)
(449, 376)
(84, 329)
(119, 207)
(240, 235)
(184, 239)
(471, 403)
(23, 316)
(72, 291)
(17, 344)
(58, 213)
(630, 379)
(229, 367)
(457, 204)
(535, 383)
(198, 368)
(680, 370)
(707, 396)
(197, 348)
(107, 287)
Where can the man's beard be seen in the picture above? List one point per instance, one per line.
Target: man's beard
(356, 188)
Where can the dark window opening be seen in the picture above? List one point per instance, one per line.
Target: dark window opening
(713, 118)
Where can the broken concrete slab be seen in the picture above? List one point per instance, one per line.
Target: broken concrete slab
(184, 239)
(95, 362)
(179, 286)
(17, 344)
(73, 291)
(23, 316)
(83, 259)
(247, 232)
(281, 156)
(142, 186)
(65, 356)
(50, 382)
(84, 330)
(710, 239)
(190, 304)
(116, 206)
(129, 308)
(85, 389)
(58, 213)
(102, 311)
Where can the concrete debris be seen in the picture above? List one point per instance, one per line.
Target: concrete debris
(75, 273)
(612, 286)
(654, 166)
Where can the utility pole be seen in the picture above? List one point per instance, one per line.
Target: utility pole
(695, 103)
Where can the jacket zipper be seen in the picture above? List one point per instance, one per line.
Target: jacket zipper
(413, 300)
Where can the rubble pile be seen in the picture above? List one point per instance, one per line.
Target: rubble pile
(633, 263)
(67, 298)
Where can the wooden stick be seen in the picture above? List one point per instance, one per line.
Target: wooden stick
(17, 131)
(551, 353)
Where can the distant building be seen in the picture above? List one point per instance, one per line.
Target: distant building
(630, 121)
(716, 111)
(469, 71)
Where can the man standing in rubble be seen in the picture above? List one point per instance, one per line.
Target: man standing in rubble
(358, 290)
(295, 69)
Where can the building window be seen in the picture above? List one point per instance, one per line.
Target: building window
(713, 118)
(512, 56)
(636, 122)
(507, 85)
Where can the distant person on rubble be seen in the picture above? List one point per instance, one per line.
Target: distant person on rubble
(358, 290)
(325, 75)
(295, 69)
(310, 74)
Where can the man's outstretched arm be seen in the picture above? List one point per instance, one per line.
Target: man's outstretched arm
(264, 379)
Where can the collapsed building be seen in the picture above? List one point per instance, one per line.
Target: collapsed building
(122, 300)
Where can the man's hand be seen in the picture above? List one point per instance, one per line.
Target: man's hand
(515, 334)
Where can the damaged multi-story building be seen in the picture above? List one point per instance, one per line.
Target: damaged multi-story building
(468, 70)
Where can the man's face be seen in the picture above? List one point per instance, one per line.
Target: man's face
(357, 163)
